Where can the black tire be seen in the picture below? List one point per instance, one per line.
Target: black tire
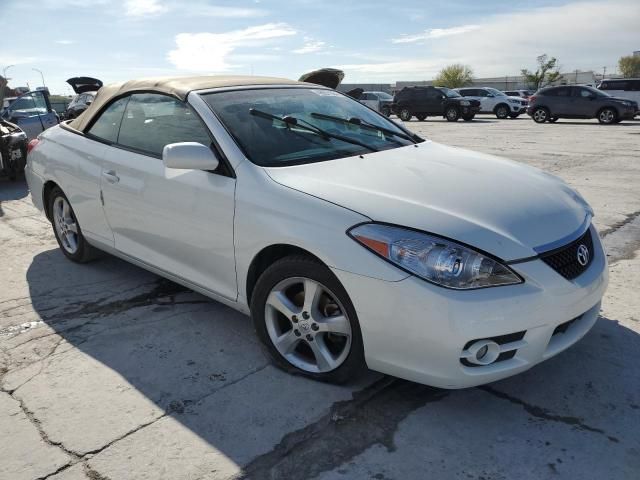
(501, 111)
(468, 118)
(608, 116)
(405, 114)
(386, 111)
(84, 252)
(304, 266)
(421, 117)
(514, 115)
(452, 114)
(554, 119)
(540, 115)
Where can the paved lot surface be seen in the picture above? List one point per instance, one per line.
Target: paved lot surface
(109, 372)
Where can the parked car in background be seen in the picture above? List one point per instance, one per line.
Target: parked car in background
(32, 112)
(628, 88)
(422, 102)
(351, 241)
(496, 102)
(518, 93)
(85, 89)
(379, 101)
(13, 150)
(551, 103)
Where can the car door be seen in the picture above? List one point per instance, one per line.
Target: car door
(434, 101)
(179, 221)
(32, 112)
(583, 102)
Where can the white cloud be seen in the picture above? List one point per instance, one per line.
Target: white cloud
(206, 10)
(64, 42)
(310, 46)
(209, 52)
(498, 46)
(435, 33)
(140, 8)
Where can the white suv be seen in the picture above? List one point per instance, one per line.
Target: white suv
(495, 101)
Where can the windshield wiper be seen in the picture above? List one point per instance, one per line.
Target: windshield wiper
(362, 123)
(290, 121)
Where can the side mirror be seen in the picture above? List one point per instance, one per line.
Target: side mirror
(88, 102)
(189, 156)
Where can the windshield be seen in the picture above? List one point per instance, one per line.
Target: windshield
(497, 93)
(450, 93)
(308, 134)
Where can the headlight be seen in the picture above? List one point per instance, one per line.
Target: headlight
(465, 103)
(513, 100)
(432, 258)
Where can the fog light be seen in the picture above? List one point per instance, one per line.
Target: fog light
(483, 352)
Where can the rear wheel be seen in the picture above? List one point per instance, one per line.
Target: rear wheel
(422, 117)
(67, 229)
(452, 114)
(306, 321)
(468, 118)
(607, 116)
(502, 111)
(405, 114)
(540, 115)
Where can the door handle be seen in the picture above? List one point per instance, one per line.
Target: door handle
(111, 176)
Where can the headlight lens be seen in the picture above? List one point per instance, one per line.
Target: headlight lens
(513, 100)
(432, 258)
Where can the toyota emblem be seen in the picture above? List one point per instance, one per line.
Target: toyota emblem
(583, 255)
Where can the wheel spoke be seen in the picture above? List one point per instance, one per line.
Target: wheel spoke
(280, 302)
(338, 324)
(71, 241)
(65, 210)
(287, 342)
(312, 292)
(324, 359)
(72, 227)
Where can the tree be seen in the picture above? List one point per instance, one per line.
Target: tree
(629, 66)
(454, 76)
(547, 72)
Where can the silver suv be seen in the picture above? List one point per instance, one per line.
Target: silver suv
(496, 102)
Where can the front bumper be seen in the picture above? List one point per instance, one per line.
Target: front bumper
(419, 331)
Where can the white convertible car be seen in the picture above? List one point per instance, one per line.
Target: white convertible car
(351, 241)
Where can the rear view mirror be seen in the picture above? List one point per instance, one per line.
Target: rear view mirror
(189, 156)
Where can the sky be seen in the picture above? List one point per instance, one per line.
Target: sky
(372, 41)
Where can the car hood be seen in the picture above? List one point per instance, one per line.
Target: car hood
(84, 84)
(505, 208)
(327, 77)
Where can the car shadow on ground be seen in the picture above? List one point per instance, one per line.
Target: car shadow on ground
(12, 190)
(190, 357)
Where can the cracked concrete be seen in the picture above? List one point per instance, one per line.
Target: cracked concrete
(108, 372)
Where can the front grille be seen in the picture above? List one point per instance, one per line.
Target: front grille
(565, 260)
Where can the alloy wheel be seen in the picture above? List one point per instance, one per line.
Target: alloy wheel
(607, 116)
(540, 115)
(502, 112)
(308, 325)
(405, 115)
(66, 225)
(452, 114)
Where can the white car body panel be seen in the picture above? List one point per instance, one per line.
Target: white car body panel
(204, 230)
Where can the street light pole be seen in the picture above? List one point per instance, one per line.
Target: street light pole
(4, 70)
(41, 76)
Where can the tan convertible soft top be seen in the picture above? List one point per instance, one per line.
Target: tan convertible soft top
(178, 87)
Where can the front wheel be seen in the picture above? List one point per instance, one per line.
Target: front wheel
(306, 321)
(468, 118)
(422, 117)
(386, 111)
(452, 114)
(502, 111)
(540, 115)
(607, 116)
(405, 114)
(67, 229)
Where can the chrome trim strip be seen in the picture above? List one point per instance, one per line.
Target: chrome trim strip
(547, 247)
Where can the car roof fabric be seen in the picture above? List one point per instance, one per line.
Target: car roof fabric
(179, 87)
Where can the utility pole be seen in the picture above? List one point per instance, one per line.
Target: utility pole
(604, 72)
(41, 76)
